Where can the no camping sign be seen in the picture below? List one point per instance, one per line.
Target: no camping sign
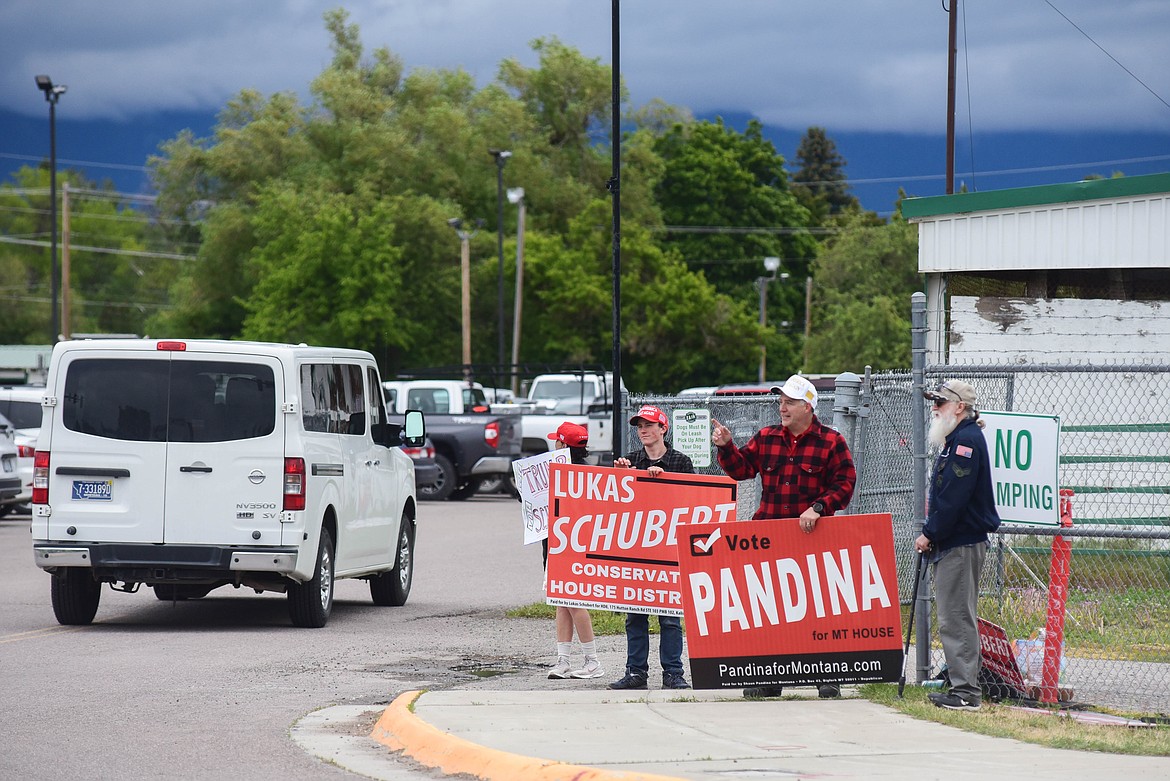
(1024, 451)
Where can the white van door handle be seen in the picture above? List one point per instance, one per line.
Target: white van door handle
(92, 471)
(375, 462)
(206, 469)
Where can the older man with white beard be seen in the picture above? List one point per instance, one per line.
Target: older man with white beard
(960, 513)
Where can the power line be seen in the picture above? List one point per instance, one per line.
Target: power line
(88, 163)
(1107, 54)
(134, 253)
(738, 229)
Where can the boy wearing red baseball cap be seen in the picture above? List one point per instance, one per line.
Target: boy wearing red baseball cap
(655, 456)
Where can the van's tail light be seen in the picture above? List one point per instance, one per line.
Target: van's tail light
(294, 483)
(491, 433)
(41, 477)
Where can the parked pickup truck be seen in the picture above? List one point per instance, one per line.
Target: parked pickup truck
(472, 444)
(583, 398)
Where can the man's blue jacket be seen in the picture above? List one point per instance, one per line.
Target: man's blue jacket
(961, 508)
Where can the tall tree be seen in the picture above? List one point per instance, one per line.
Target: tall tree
(820, 179)
(726, 203)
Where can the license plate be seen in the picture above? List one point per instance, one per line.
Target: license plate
(93, 490)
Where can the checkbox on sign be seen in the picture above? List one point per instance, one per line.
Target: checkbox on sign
(701, 544)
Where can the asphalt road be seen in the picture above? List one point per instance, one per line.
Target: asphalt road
(210, 688)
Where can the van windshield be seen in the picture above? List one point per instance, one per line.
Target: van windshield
(141, 400)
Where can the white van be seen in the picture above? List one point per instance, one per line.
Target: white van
(190, 465)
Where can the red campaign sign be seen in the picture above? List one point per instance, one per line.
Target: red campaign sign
(611, 537)
(767, 604)
(997, 654)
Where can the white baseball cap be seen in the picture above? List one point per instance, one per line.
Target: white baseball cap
(797, 387)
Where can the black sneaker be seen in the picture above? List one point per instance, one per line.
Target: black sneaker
(759, 692)
(827, 691)
(952, 701)
(674, 681)
(629, 681)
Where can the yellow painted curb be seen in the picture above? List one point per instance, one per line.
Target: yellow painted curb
(399, 729)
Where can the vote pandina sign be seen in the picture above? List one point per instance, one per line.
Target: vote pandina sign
(767, 604)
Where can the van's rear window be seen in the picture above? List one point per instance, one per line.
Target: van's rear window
(176, 401)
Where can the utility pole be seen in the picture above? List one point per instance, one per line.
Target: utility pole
(66, 299)
(501, 158)
(465, 237)
(516, 196)
(952, 44)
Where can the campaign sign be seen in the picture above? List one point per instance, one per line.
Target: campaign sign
(767, 604)
(997, 654)
(612, 533)
(532, 483)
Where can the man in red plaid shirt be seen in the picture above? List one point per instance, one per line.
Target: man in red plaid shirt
(805, 470)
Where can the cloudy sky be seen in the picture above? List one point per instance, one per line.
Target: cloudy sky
(847, 65)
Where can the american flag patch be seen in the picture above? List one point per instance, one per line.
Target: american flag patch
(963, 450)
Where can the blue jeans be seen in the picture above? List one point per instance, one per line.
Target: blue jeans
(670, 644)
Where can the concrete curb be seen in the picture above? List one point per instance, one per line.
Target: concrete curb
(400, 730)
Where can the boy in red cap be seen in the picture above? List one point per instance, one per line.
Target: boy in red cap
(576, 438)
(655, 456)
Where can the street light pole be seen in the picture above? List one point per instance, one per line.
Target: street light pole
(53, 93)
(501, 158)
(770, 265)
(516, 196)
(465, 286)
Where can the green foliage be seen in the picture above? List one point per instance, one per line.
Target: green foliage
(327, 222)
(716, 177)
(861, 297)
(676, 329)
(820, 180)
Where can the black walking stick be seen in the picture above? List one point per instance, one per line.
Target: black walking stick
(910, 624)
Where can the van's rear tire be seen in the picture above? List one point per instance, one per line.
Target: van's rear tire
(310, 603)
(443, 485)
(393, 588)
(75, 596)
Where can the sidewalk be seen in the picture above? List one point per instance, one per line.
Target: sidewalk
(598, 735)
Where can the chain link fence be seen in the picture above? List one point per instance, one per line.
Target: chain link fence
(1114, 451)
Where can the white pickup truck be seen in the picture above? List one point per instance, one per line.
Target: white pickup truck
(556, 398)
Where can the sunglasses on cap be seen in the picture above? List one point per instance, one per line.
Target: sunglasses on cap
(942, 395)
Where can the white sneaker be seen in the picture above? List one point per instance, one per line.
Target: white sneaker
(591, 669)
(561, 670)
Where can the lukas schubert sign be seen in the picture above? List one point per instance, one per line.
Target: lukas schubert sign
(612, 534)
(767, 604)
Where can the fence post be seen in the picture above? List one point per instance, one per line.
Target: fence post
(1058, 575)
(846, 398)
(918, 328)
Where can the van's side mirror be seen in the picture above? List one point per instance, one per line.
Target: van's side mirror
(414, 431)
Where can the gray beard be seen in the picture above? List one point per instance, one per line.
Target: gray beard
(941, 427)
